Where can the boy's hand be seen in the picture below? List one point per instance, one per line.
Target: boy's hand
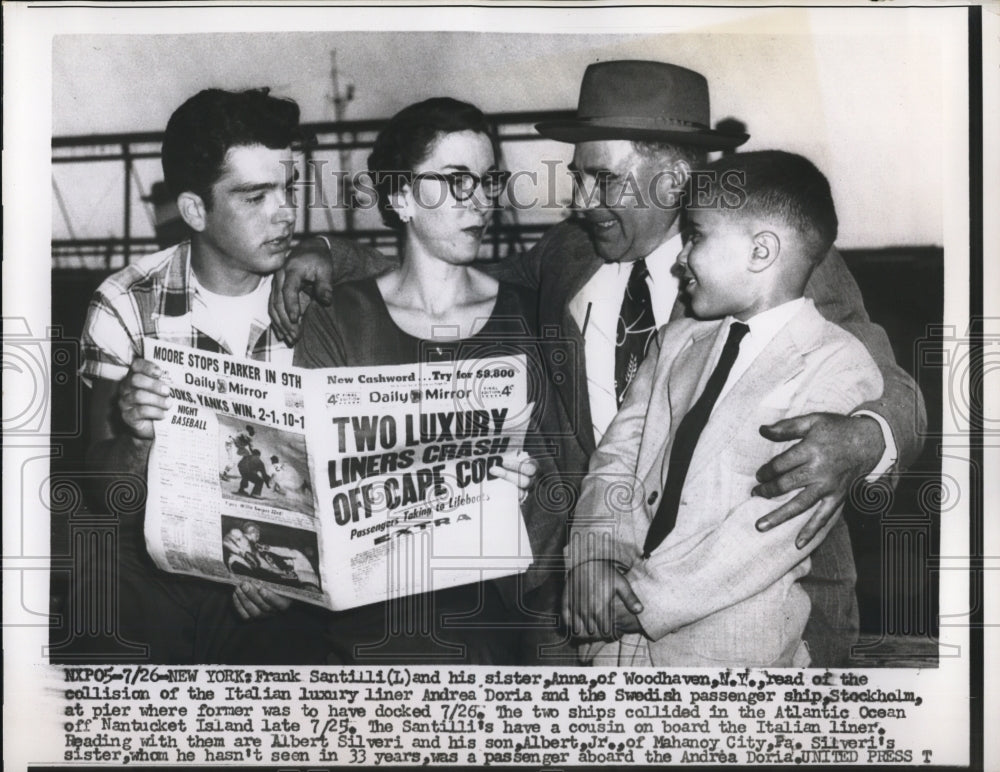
(518, 469)
(599, 603)
(834, 452)
(253, 602)
(624, 620)
(143, 398)
(306, 276)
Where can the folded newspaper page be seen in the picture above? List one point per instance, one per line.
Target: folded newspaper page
(339, 487)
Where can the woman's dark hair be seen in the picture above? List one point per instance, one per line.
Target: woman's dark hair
(201, 131)
(408, 139)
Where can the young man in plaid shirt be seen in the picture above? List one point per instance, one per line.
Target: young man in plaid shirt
(227, 159)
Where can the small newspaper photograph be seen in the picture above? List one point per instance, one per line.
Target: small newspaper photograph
(338, 487)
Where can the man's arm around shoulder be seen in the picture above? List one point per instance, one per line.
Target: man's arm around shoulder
(314, 266)
(901, 404)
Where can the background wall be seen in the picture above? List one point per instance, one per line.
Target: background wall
(866, 103)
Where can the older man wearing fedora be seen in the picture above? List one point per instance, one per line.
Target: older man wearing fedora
(604, 283)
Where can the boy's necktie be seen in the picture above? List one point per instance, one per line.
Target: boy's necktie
(686, 440)
(636, 327)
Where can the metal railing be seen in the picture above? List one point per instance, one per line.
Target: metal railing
(115, 250)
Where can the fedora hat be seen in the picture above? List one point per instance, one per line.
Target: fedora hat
(645, 101)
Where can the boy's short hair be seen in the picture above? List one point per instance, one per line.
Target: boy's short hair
(773, 185)
(203, 129)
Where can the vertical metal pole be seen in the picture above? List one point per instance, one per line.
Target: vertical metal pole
(345, 162)
(497, 218)
(307, 171)
(340, 101)
(127, 225)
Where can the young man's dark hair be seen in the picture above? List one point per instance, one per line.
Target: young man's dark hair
(203, 129)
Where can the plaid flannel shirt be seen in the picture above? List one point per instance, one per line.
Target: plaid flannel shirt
(156, 297)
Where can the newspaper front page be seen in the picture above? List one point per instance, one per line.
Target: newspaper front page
(339, 487)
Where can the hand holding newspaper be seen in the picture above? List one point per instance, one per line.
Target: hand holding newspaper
(339, 487)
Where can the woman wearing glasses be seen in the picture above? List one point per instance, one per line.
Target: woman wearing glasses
(436, 180)
(435, 174)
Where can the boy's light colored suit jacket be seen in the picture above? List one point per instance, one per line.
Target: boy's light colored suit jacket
(716, 591)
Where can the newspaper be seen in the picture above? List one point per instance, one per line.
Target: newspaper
(339, 487)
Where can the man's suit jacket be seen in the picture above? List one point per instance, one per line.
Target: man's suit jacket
(715, 592)
(559, 266)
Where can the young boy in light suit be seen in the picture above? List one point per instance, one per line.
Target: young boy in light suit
(666, 567)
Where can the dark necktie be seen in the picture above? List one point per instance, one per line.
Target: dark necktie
(686, 440)
(636, 327)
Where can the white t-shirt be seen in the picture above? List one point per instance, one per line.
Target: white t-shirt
(233, 315)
